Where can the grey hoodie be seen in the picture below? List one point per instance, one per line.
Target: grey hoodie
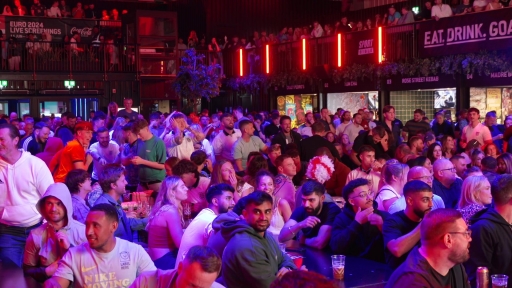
(250, 260)
(42, 248)
(216, 241)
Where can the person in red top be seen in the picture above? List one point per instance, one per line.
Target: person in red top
(73, 155)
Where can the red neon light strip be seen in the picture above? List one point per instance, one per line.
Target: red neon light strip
(268, 63)
(380, 45)
(339, 50)
(303, 54)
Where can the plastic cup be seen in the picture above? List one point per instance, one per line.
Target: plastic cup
(297, 260)
(499, 281)
(338, 266)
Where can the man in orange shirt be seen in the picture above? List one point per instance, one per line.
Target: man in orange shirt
(73, 155)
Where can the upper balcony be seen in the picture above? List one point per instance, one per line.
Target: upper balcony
(469, 33)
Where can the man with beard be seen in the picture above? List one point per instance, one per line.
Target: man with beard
(354, 128)
(246, 144)
(252, 257)
(49, 242)
(65, 132)
(415, 125)
(346, 118)
(402, 230)
(220, 200)
(445, 239)
(492, 247)
(103, 152)
(36, 143)
(416, 145)
(305, 129)
(73, 155)
(357, 230)
(286, 135)
(104, 258)
(224, 141)
(314, 219)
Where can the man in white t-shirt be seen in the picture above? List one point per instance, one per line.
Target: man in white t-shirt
(220, 200)
(354, 128)
(105, 261)
(441, 10)
(224, 141)
(305, 129)
(103, 152)
(246, 144)
(345, 121)
(177, 142)
(475, 130)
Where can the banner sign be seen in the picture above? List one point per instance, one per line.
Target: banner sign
(498, 78)
(362, 47)
(398, 83)
(20, 27)
(359, 85)
(469, 33)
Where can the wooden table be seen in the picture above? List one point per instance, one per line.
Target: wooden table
(359, 272)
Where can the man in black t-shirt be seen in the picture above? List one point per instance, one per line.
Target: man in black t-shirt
(445, 241)
(313, 219)
(402, 230)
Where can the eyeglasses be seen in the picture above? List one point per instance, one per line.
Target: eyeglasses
(466, 233)
(364, 195)
(451, 169)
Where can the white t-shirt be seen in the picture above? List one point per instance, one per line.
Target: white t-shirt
(223, 144)
(480, 3)
(481, 133)
(385, 193)
(182, 150)
(373, 177)
(305, 131)
(441, 12)
(197, 233)
(341, 128)
(352, 131)
(108, 153)
(88, 268)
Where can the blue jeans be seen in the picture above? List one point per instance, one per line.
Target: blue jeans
(12, 242)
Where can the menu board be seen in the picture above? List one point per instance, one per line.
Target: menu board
(296, 106)
(494, 101)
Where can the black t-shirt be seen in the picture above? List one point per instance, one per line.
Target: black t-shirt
(417, 272)
(395, 227)
(329, 212)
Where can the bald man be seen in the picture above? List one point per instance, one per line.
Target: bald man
(445, 239)
(422, 174)
(446, 184)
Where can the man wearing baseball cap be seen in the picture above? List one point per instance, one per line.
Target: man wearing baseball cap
(73, 155)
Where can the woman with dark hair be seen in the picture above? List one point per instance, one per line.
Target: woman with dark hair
(434, 152)
(505, 163)
(255, 162)
(448, 146)
(330, 137)
(421, 161)
(491, 150)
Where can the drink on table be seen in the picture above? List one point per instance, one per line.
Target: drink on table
(499, 281)
(482, 277)
(338, 266)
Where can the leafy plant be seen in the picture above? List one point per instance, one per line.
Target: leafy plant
(195, 80)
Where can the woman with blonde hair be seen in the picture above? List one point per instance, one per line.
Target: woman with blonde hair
(475, 194)
(281, 208)
(224, 172)
(394, 177)
(165, 225)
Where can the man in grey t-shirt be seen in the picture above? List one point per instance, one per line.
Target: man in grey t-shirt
(105, 260)
(407, 16)
(246, 144)
(127, 111)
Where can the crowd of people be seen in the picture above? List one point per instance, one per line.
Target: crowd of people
(169, 201)
(60, 9)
